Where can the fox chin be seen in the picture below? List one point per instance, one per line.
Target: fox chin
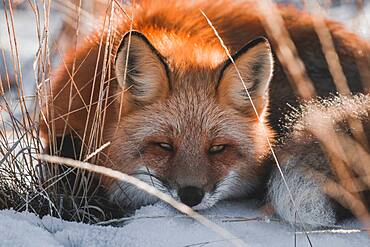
(230, 187)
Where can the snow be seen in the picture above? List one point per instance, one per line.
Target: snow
(160, 225)
(27, 42)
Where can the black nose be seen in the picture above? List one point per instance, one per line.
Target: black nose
(190, 195)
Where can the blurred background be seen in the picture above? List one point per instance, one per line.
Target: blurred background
(23, 40)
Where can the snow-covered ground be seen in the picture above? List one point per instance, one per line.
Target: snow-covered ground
(160, 225)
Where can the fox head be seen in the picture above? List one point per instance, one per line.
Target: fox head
(190, 131)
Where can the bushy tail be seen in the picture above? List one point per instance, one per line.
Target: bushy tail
(316, 156)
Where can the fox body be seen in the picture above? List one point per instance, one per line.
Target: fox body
(172, 105)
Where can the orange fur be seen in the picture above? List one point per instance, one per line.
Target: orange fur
(191, 105)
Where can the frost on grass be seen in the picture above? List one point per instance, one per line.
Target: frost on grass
(334, 110)
(307, 164)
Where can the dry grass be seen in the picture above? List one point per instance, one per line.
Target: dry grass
(28, 184)
(335, 145)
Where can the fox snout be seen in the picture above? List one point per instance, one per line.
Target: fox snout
(192, 185)
(191, 195)
(192, 177)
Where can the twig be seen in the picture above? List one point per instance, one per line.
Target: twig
(149, 189)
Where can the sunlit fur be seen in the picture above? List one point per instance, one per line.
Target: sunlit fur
(192, 98)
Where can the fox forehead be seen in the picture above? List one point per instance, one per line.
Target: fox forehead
(190, 115)
(192, 109)
(183, 51)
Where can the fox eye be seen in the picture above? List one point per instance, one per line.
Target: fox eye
(216, 149)
(165, 146)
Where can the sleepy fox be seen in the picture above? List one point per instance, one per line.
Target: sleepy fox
(160, 88)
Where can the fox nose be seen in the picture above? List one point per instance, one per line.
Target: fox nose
(191, 195)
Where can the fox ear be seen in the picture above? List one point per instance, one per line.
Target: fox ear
(140, 69)
(254, 64)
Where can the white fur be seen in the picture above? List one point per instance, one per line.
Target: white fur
(312, 205)
(231, 186)
(129, 195)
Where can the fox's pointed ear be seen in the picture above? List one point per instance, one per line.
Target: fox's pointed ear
(141, 70)
(254, 64)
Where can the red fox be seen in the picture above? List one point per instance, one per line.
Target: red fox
(172, 105)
